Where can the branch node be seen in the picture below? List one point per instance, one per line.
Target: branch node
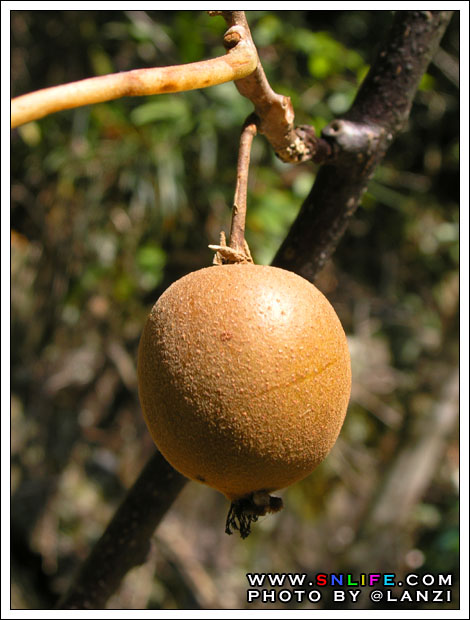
(233, 36)
(348, 139)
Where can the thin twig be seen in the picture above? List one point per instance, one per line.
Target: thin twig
(241, 60)
(237, 250)
(275, 112)
(237, 232)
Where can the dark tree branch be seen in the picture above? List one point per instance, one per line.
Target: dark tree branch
(360, 140)
(357, 144)
(126, 541)
(387, 93)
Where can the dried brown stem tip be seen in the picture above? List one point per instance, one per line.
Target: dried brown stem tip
(225, 255)
(245, 511)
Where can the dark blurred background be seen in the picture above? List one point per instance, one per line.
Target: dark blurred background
(113, 202)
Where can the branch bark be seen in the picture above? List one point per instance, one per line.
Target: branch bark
(240, 60)
(126, 541)
(275, 112)
(360, 140)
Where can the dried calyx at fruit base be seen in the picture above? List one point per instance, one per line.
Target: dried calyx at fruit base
(244, 376)
(246, 510)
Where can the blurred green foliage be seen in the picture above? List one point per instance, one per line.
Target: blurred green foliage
(112, 203)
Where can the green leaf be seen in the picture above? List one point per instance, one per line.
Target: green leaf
(151, 258)
(151, 261)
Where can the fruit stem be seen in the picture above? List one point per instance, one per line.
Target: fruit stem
(237, 231)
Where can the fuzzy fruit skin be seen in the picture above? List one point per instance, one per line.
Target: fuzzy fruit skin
(244, 377)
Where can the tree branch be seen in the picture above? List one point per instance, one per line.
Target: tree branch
(126, 541)
(275, 112)
(240, 60)
(360, 140)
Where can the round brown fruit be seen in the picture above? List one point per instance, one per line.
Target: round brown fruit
(244, 377)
